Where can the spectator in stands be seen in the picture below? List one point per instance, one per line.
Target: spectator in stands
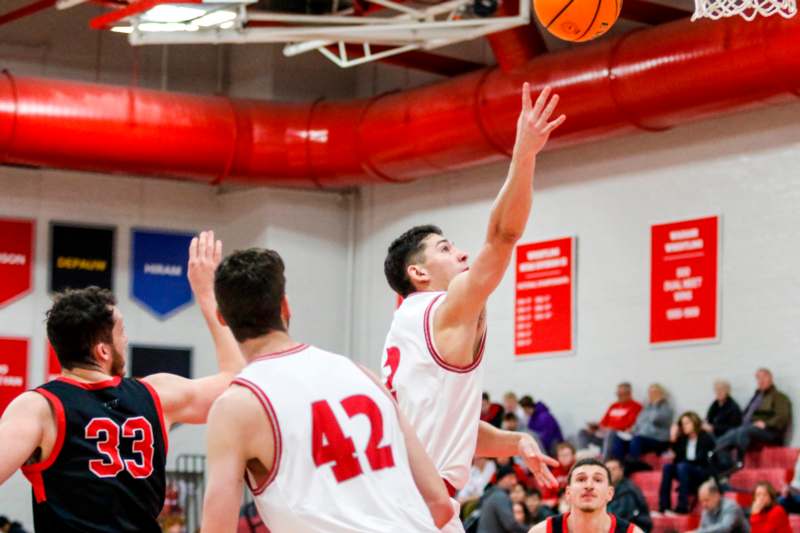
(720, 515)
(651, 431)
(16, 527)
(620, 416)
(481, 473)
(5, 524)
(536, 509)
(724, 413)
(766, 516)
(497, 515)
(692, 447)
(491, 412)
(542, 423)
(518, 493)
(790, 500)
(521, 514)
(565, 453)
(511, 405)
(628, 503)
(510, 422)
(764, 422)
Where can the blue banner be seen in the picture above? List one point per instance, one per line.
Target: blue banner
(159, 260)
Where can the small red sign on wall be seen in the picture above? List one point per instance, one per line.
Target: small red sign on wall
(13, 369)
(544, 320)
(16, 258)
(53, 369)
(684, 289)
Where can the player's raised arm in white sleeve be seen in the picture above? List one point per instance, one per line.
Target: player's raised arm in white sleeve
(494, 442)
(21, 431)
(232, 424)
(189, 400)
(468, 292)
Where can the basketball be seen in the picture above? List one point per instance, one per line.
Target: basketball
(577, 20)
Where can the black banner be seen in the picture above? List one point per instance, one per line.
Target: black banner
(146, 360)
(81, 256)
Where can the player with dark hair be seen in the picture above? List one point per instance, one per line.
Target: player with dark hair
(92, 442)
(432, 355)
(317, 439)
(589, 490)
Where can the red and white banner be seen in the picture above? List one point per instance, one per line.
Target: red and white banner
(13, 369)
(684, 290)
(544, 320)
(16, 258)
(53, 369)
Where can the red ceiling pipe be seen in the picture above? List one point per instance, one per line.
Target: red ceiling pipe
(647, 80)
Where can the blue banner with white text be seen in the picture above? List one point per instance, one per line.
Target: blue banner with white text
(159, 260)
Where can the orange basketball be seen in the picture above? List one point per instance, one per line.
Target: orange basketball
(577, 20)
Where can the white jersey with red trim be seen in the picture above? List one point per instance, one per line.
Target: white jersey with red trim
(341, 464)
(442, 402)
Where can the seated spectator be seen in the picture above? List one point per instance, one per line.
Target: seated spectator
(510, 422)
(542, 423)
(651, 431)
(692, 447)
(537, 510)
(720, 515)
(518, 493)
(5, 524)
(480, 474)
(790, 500)
(724, 413)
(511, 405)
(764, 422)
(491, 412)
(521, 514)
(766, 516)
(620, 416)
(565, 454)
(497, 515)
(628, 503)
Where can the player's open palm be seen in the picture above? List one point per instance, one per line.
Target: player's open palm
(534, 125)
(537, 461)
(205, 254)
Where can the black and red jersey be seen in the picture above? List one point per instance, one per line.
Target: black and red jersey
(106, 472)
(558, 524)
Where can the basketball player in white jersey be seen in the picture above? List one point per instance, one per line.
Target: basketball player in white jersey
(319, 442)
(431, 359)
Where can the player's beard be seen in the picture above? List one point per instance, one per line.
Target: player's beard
(117, 362)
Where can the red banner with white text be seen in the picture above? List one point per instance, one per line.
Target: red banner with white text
(53, 369)
(544, 320)
(16, 258)
(13, 369)
(684, 289)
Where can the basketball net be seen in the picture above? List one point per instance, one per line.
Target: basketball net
(747, 9)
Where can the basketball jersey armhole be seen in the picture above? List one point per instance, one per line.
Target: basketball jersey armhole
(430, 312)
(160, 410)
(34, 471)
(276, 433)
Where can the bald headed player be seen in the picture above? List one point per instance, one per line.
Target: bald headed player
(431, 359)
(589, 490)
(92, 442)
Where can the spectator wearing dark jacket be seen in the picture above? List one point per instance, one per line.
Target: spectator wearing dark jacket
(497, 514)
(724, 413)
(628, 502)
(691, 467)
(542, 423)
(764, 421)
(491, 412)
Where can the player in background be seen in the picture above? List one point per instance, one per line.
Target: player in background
(431, 360)
(92, 442)
(588, 492)
(319, 442)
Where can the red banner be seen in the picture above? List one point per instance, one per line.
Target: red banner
(53, 369)
(13, 369)
(545, 297)
(16, 258)
(684, 266)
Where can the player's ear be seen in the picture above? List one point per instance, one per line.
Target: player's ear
(102, 352)
(610, 493)
(418, 275)
(220, 318)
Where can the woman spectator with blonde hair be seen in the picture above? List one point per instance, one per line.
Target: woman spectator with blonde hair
(724, 413)
(766, 516)
(692, 446)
